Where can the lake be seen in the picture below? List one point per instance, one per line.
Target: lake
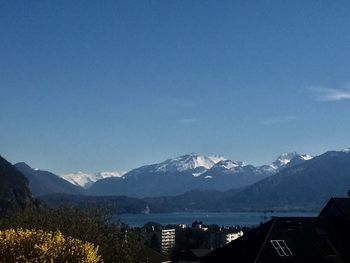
(219, 218)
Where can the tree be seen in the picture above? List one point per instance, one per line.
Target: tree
(18, 245)
(155, 244)
(90, 225)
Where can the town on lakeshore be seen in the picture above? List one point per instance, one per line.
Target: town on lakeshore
(101, 222)
(174, 131)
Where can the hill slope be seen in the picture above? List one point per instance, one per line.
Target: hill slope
(116, 204)
(307, 185)
(43, 182)
(14, 190)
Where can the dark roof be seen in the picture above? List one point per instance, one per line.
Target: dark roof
(243, 249)
(193, 254)
(337, 207)
(151, 256)
(201, 252)
(305, 239)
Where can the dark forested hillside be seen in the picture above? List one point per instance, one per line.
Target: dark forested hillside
(115, 204)
(14, 190)
(44, 182)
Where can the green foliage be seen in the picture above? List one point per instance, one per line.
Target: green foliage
(39, 246)
(89, 226)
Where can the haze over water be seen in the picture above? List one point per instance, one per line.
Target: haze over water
(221, 219)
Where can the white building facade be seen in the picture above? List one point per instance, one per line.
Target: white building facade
(167, 239)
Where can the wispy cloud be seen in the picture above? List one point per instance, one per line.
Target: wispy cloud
(188, 120)
(331, 94)
(278, 119)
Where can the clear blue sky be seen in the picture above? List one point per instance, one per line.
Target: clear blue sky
(105, 85)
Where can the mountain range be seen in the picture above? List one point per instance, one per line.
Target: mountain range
(304, 186)
(307, 185)
(173, 176)
(210, 183)
(188, 172)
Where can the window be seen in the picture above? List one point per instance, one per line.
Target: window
(281, 248)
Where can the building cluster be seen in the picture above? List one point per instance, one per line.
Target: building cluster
(324, 238)
(208, 238)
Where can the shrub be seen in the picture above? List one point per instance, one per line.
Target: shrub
(18, 245)
(89, 226)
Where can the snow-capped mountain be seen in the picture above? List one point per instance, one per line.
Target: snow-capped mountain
(285, 158)
(346, 150)
(195, 165)
(109, 174)
(191, 171)
(306, 185)
(230, 165)
(282, 161)
(198, 164)
(86, 180)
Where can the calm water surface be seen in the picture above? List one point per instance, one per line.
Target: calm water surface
(224, 218)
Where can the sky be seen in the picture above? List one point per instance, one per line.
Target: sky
(112, 85)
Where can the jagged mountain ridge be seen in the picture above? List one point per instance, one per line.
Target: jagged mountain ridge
(44, 182)
(191, 162)
(305, 185)
(188, 172)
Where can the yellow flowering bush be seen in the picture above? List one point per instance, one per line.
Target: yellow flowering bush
(18, 245)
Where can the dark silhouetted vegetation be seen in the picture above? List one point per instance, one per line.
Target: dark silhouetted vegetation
(14, 190)
(18, 245)
(116, 244)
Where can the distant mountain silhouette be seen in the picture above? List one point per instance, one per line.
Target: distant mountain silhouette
(306, 185)
(117, 204)
(14, 190)
(189, 172)
(44, 182)
(299, 184)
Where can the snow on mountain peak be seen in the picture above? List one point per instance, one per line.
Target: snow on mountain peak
(86, 180)
(230, 165)
(189, 162)
(217, 158)
(110, 174)
(306, 157)
(346, 150)
(285, 159)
